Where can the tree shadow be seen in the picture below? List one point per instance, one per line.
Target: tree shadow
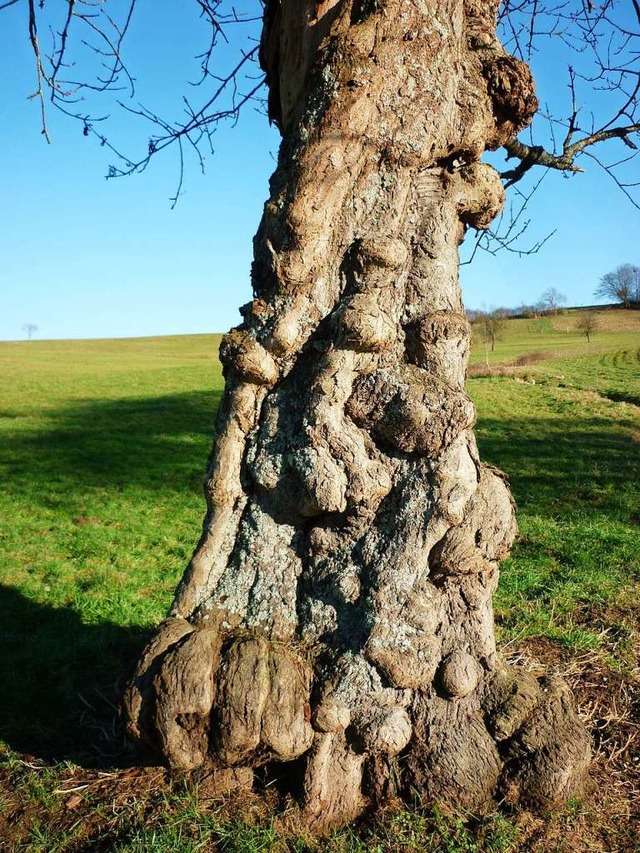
(623, 397)
(158, 443)
(62, 682)
(61, 677)
(560, 465)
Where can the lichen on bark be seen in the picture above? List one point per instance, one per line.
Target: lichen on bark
(337, 611)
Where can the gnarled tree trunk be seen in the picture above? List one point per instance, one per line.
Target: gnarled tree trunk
(337, 612)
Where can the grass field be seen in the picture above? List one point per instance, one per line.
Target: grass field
(103, 446)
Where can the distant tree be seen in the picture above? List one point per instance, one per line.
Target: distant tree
(492, 325)
(588, 324)
(552, 299)
(621, 285)
(529, 312)
(30, 328)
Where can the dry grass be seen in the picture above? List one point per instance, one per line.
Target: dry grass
(608, 700)
(509, 369)
(124, 809)
(611, 320)
(531, 358)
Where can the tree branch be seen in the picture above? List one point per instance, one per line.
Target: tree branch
(536, 155)
(605, 46)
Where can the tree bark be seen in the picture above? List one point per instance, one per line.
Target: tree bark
(337, 612)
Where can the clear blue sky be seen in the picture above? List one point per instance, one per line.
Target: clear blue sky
(81, 256)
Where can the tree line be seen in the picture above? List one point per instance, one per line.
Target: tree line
(621, 286)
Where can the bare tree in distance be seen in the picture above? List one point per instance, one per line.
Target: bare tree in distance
(30, 329)
(335, 623)
(621, 285)
(552, 299)
(588, 323)
(492, 325)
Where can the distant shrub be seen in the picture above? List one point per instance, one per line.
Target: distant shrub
(531, 358)
(484, 371)
(509, 370)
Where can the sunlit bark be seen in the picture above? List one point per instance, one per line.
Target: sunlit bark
(337, 612)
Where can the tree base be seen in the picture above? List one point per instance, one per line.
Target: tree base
(235, 700)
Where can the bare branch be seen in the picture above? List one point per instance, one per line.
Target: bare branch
(41, 76)
(606, 48)
(87, 25)
(63, 38)
(511, 226)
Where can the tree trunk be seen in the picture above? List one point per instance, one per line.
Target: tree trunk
(337, 612)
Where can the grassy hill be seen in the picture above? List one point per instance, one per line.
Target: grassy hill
(103, 446)
(559, 335)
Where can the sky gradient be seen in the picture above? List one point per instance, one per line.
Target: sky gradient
(85, 257)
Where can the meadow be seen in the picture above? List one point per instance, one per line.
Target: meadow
(103, 447)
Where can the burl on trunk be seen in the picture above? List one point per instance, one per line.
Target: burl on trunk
(337, 612)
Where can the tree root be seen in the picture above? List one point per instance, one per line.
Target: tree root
(233, 700)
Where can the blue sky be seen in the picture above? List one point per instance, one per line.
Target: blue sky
(81, 256)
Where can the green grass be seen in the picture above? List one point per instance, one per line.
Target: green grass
(574, 464)
(103, 446)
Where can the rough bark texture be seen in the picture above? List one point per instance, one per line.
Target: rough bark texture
(338, 609)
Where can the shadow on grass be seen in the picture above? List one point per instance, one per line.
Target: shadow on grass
(62, 681)
(61, 678)
(561, 465)
(154, 443)
(161, 444)
(622, 397)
